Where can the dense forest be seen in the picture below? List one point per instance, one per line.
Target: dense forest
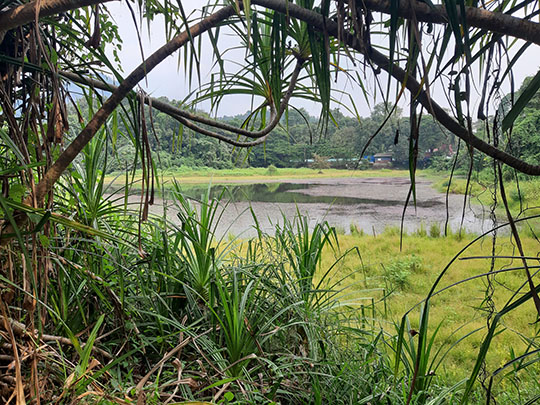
(292, 144)
(299, 137)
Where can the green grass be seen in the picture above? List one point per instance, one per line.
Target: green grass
(406, 277)
(258, 174)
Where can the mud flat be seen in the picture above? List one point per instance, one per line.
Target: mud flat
(372, 204)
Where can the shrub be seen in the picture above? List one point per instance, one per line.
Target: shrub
(414, 263)
(421, 231)
(508, 174)
(355, 230)
(320, 162)
(364, 165)
(435, 230)
(398, 271)
(515, 195)
(271, 170)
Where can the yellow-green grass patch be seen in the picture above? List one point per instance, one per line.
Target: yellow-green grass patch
(461, 309)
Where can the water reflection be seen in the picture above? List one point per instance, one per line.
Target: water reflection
(370, 204)
(290, 193)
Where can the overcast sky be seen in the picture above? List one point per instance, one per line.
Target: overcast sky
(170, 80)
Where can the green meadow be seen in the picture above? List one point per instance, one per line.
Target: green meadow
(196, 175)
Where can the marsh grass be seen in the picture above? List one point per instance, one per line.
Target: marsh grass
(457, 312)
(435, 230)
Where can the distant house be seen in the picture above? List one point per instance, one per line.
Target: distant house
(382, 160)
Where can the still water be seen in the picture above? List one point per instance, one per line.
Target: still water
(371, 204)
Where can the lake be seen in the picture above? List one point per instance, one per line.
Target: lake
(369, 203)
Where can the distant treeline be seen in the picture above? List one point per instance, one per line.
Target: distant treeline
(299, 138)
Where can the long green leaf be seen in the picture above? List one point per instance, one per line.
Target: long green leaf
(522, 101)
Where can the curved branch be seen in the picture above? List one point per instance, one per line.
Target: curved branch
(265, 132)
(224, 138)
(185, 117)
(99, 118)
(326, 25)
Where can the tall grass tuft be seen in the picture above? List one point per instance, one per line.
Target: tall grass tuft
(199, 245)
(304, 249)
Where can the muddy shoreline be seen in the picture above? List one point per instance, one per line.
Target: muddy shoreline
(378, 203)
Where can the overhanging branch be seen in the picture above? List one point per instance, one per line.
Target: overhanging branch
(331, 27)
(476, 17)
(186, 117)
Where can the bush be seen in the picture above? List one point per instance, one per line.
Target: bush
(320, 162)
(364, 165)
(271, 170)
(355, 230)
(398, 271)
(515, 195)
(421, 231)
